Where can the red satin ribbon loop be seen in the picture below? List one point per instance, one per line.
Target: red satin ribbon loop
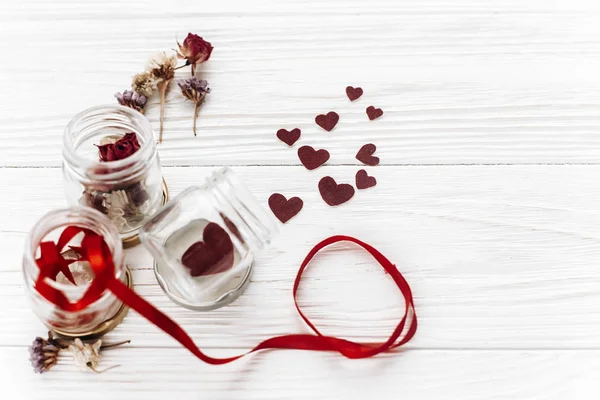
(95, 250)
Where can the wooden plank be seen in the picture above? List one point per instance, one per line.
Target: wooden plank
(474, 82)
(498, 257)
(465, 375)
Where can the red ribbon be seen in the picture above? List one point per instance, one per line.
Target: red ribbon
(95, 250)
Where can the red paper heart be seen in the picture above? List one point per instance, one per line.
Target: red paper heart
(335, 194)
(364, 181)
(374, 113)
(353, 93)
(365, 155)
(285, 209)
(212, 255)
(289, 137)
(312, 158)
(329, 121)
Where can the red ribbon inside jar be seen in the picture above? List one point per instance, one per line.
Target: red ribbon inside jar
(94, 250)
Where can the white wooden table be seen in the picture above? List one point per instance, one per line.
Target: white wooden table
(487, 195)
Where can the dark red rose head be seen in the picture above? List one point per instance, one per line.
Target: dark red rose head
(194, 49)
(121, 149)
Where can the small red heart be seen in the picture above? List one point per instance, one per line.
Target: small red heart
(374, 113)
(365, 155)
(335, 194)
(312, 158)
(329, 121)
(364, 181)
(353, 93)
(212, 255)
(285, 209)
(289, 137)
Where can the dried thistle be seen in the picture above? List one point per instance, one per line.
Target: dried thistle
(43, 353)
(144, 83)
(162, 66)
(194, 89)
(132, 99)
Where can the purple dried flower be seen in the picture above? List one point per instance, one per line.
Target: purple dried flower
(43, 353)
(132, 99)
(194, 89)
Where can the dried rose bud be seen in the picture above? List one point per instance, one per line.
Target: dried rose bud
(195, 50)
(121, 149)
(132, 99)
(43, 353)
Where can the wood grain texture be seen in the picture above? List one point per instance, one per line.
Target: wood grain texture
(472, 82)
(465, 375)
(507, 261)
(503, 259)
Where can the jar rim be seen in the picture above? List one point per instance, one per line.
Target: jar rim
(146, 151)
(40, 231)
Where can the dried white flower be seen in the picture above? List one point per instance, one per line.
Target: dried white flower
(162, 65)
(86, 356)
(144, 83)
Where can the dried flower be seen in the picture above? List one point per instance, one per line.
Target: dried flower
(86, 356)
(144, 83)
(162, 66)
(194, 89)
(195, 50)
(43, 353)
(121, 149)
(132, 99)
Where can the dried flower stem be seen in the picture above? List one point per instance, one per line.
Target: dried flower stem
(182, 66)
(196, 109)
(112, 345)
(162, 89)
(90, 366)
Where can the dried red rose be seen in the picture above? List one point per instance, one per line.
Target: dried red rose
(195, 50)
(121, 149)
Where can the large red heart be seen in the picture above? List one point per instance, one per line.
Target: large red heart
(374, 113)
(285, 209)
(364, 181)
(365, 155)
(311, 158)
(335, 194)
(328, 121)
(289, 137)
(353, 93)
(212, 255)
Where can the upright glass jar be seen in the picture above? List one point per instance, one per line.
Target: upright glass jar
(100, 316)
(127, 190)
(204, 241)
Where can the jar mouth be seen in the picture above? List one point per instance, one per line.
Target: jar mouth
(93, 119)
(85, 217)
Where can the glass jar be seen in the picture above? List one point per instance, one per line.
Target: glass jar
(204, 241)
(98, 317)
(127, 190)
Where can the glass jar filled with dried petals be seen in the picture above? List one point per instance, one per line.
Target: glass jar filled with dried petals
(205, 240)
(110, 163)
(60, 235)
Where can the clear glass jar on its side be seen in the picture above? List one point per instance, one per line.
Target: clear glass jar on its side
(98, 317)
(204, 241)
(127, 190)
